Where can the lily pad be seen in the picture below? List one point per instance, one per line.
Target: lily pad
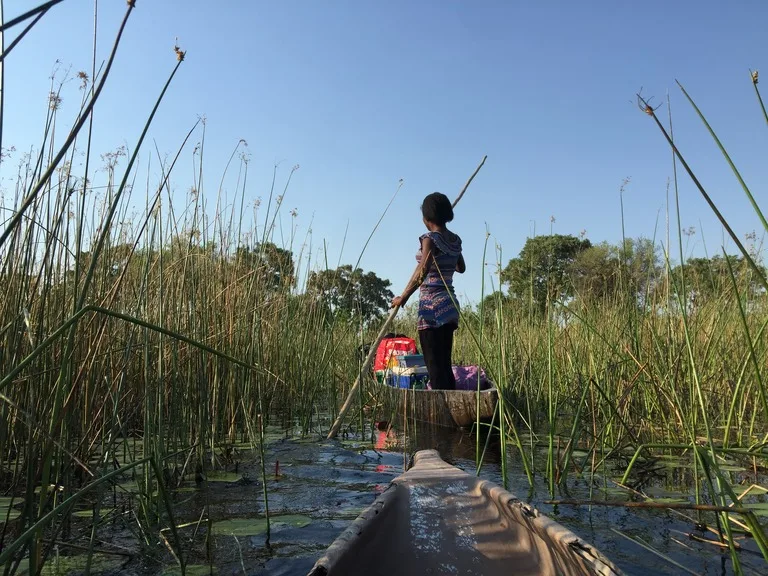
(671, 500)
(350, 513)
(731, 468)
(89, 513)
(256, 526)
(59, 566)
(658, 494)
(242, 445)
(759, 508)
(675, 462)
(129, 486)
(614, 491)
(271, 435)
(580, 453)
(5, 507)
(224, 477)
(183, 489)
(353, 444)
(759, 489)
(190, 570)
(6, 515)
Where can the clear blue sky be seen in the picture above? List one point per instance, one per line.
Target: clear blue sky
(361, 94)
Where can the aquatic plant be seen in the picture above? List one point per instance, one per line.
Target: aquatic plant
(142, 344)
(148, 346)
(657, 361)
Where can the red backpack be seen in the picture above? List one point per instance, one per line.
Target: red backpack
(396, 346)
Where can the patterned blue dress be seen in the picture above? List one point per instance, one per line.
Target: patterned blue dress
(437, 301)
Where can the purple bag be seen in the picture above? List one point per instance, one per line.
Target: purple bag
(466, 378)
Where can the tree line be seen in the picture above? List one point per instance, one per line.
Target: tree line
(549, 269)
(345, 293)
(569, 269)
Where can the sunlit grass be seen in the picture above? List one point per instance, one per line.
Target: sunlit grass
(127, 315)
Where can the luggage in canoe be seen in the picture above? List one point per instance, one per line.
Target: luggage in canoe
(401, 387)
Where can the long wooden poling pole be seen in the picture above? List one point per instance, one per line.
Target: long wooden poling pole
(372, 352)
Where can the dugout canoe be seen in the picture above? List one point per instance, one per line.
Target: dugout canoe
(436, 519)
(449, 408)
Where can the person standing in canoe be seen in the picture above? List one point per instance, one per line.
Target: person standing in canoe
(439, 256)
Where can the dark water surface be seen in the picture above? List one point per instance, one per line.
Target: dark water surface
(662, 530)
(331, 482)
(317, 487)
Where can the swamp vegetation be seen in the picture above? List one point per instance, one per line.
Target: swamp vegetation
(148, 347)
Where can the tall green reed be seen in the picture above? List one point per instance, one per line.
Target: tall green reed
(179, 326)
(646, 371)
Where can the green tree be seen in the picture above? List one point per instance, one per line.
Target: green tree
(273, 266)
(541, 270)
(351, 294)
(607, 271)
(640, 269)
(707, 279)
(594, 272)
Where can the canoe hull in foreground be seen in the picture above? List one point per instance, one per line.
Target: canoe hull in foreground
(449, 408)
(436, 519)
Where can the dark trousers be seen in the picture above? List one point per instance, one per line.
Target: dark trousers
(436, 346)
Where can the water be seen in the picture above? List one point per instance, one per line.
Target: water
(317, 487)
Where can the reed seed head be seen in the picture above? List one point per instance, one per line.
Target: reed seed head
(83, 79)
(54, 101)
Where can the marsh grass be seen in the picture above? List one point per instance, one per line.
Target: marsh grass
(680, 382)
(127, 314)
(640, 376)
(124, 313)
(187, 342)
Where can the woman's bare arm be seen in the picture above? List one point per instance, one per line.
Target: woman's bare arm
(419, 275)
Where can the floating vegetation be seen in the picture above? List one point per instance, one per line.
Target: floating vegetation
(256, 526)
(147, 343)
(759, 508)
(8, 509)
(191, 570)
(103, 512)
(220, 476)
(67, 565)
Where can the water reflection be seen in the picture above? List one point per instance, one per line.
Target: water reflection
(665, 531)
(331, 482)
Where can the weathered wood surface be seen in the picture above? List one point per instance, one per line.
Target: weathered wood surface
(436, 519)
(438, 407)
